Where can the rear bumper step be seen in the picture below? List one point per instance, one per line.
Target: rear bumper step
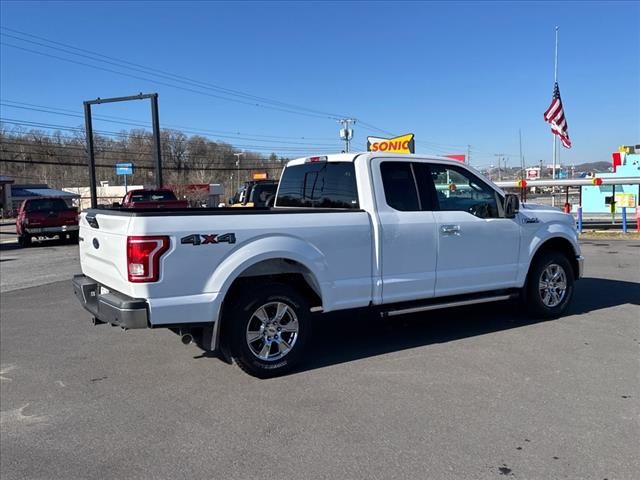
(58, 229)
(112, 307)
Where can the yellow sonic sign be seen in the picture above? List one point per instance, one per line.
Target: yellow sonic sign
(401, 144)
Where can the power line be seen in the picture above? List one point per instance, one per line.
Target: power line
(194, 129)
(192, 164)
(257, 148)
(140, 167)
(160, 82)
(137, 77)
(95, 56)
(204, 88)
(142, 124)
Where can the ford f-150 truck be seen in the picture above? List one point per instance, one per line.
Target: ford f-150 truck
(395, 233)
(46, 217)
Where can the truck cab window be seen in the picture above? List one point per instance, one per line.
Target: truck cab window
(319, 185)
(459, 190)
(399, 186)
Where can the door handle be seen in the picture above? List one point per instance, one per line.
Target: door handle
(450, 229)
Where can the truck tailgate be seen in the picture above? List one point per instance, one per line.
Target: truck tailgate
(103, 249)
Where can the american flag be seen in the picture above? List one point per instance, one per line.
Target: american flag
(555, 117)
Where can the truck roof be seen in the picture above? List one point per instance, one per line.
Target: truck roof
(350, 157)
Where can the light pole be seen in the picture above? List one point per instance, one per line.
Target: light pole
(238, 155)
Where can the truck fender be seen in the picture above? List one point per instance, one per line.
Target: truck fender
(270, 248)
(543, 235)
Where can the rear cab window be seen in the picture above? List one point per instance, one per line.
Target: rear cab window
(319, 185)
(152, 196)
(45, 205)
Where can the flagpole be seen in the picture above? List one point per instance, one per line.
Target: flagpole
(555, 80)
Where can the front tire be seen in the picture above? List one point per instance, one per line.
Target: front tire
(550, 286)
(269, 328)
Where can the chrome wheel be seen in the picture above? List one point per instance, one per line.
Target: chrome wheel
(272, 331)
(553, 285)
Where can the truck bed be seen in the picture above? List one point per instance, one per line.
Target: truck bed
(209, 248)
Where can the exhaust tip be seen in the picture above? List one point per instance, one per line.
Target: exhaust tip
(95, 321)
(186, 338)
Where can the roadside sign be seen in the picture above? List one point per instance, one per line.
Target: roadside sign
(533, 173)
(401, 144)
(124, 168)
(625, 200)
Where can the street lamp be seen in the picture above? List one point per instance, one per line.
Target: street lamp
(238, 155)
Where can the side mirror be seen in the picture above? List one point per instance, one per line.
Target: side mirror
(511, 205)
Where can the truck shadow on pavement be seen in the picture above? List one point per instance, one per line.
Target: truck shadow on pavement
(344, 337)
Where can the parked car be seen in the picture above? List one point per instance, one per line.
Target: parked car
(46, 217)
(254, 193)
(147, 198)
(395, 233)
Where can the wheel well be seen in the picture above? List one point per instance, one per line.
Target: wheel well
(275, 270)
(559, 245)
(280, 270)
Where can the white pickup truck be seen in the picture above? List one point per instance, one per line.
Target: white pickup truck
(396, 233)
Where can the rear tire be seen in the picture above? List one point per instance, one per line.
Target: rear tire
(24, 240)
(269, 327)
(71, 237)
(550, 286)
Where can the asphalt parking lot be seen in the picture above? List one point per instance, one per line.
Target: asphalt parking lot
(472, 393)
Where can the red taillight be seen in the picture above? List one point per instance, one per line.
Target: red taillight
(143, 257)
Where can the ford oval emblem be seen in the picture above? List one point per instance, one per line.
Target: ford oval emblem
(96, 243)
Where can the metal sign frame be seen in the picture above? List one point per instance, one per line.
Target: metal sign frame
(155, 121)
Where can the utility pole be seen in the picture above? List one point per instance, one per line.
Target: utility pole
(500, 156)
(521, 157)
(238, 155)
(346, 133)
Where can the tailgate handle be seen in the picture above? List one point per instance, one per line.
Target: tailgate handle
(92, 220)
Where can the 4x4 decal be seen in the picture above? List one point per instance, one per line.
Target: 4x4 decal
(208, 238)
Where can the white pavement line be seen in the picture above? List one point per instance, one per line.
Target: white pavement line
(4, 370)
(16, 416)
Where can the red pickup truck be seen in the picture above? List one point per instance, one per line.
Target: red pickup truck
(160, 198)
(46, 217)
